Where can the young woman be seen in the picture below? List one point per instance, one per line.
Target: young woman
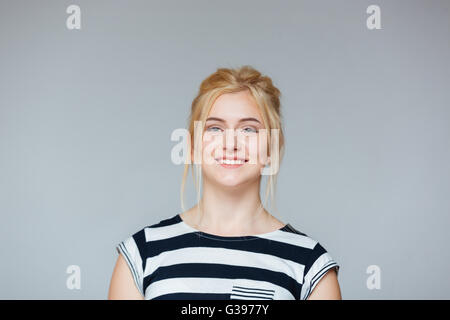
(227, 246)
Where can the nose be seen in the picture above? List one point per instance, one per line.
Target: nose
(231, 142)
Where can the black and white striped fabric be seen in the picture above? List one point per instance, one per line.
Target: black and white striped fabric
(251, 293)
(171, 260)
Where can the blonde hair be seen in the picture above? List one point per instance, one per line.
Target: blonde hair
(225, 80)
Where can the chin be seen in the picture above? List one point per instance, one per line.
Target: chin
(230, 186)
(229, 179)
(234, 181)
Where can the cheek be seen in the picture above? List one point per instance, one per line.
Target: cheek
(210, 151)
(256, 158)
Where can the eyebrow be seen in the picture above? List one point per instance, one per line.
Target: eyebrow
(241, 120)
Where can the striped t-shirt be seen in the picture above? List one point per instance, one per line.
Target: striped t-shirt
(171, 260)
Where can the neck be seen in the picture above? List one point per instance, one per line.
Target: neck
(230, 209)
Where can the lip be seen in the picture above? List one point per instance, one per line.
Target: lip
(231, 166)
(232, 158)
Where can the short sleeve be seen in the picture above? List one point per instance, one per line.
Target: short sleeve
(318, 264)
(129, 248)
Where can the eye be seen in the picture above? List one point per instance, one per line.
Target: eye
(252, 129)
(209, 129)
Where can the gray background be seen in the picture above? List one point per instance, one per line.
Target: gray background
(86, 117)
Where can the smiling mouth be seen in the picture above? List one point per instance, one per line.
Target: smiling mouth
(231, 163)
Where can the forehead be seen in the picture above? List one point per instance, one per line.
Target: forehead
(234, 106)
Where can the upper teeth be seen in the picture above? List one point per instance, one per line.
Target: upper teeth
(226, 161)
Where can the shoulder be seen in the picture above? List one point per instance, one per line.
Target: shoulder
(297, 238)
(302, 239)
(155, 231)
(157, 226)
(315, 260)
(309, 251)
(135, 250)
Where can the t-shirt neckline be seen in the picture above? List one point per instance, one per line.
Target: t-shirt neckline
(227, 238)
